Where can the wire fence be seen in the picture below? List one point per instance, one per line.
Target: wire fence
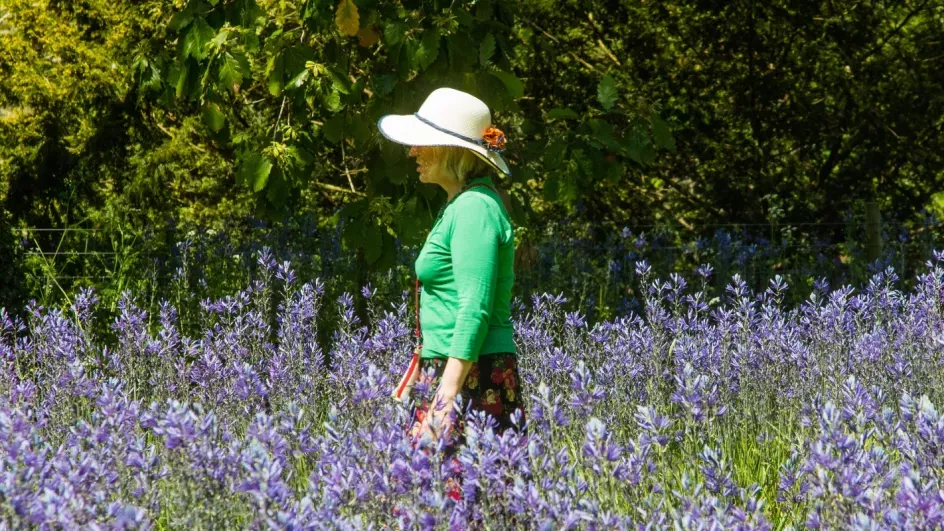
(594, 266)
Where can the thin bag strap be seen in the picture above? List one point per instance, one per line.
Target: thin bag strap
(416, 293)
(490, 187)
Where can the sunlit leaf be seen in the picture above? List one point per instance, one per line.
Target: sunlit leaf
(332, 101)
(276, 68)
(606, 92)
(254, 171)
(347, 18)
(568, 189)
(234, 68)
(338, 81)
(299, 80)
(212, 117)
(194, 43)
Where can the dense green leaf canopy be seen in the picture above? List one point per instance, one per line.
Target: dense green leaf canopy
(687, 113)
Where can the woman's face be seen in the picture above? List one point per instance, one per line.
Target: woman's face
(425, 163)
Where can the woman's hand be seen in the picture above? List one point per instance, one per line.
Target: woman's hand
(440, 417)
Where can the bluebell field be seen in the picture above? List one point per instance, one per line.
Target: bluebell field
(697, 408)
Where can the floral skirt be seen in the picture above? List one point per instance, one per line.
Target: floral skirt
(492, 386)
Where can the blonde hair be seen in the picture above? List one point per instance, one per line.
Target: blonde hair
(458, 162)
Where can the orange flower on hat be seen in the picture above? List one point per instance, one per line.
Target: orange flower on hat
(494, 139)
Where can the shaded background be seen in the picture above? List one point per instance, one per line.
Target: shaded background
(801, 138)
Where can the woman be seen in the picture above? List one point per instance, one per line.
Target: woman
(466, 266)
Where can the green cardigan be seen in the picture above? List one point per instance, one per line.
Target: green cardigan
(466, 267)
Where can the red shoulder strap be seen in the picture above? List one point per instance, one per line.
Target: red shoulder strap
(416, 293)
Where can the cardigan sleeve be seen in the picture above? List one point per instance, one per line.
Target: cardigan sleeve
(474, 242)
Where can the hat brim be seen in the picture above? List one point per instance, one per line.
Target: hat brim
(409, 130)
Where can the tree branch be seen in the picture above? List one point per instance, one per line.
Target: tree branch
(334, 188)
(557, 41)
(895, 31)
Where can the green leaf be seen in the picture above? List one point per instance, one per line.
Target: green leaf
(276, 69)
(518, 211)
(179, 77)
(388, 258)
(149, 75)
(603, 133)
(332, 101)
(394, 33)
(194, 43)
(334, 128)
(246, 13)
(372, 242)
(384, 84)
(554, 154)
(358, 130)
(661, 133)
(638, 147)
(551, 186)
(180, 20)
(254, 171)
(338, 81)
(486, 49)
(606, 92)
(612, 170)
(352, 232)
(568, 190)
(277, 190)
(463, 17)
(295, 64)
(634, 145)
(413, 222)
(299, 80)
(562, 114)
(483, 10)
(513, 85)
(217, 42)
(391, 152)
(234, 69)
(399, 173)
(428, 50)
(463, 53)
(315, 9)
(213, 118)
(406, 60)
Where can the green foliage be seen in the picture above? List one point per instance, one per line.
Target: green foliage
(680, 113)
(12, 289)
(310, 88)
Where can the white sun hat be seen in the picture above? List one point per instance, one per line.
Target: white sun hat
(449, 117)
